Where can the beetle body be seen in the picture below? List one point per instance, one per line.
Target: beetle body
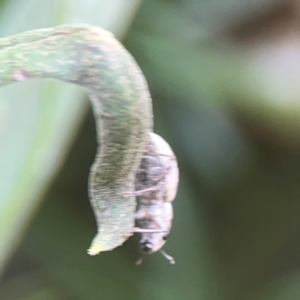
(156, 187)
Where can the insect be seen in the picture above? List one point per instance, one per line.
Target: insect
(155, 187)
(92, 58)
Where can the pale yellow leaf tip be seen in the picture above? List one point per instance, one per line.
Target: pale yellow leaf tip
(95, 249)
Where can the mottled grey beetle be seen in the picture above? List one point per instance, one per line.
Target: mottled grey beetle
(156, 187)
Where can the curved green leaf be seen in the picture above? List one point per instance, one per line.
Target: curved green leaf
(38, 120)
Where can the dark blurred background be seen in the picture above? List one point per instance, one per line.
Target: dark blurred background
(224, 77)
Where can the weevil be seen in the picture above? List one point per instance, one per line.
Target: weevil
(155, 188)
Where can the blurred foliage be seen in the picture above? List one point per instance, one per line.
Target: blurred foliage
(223, 77)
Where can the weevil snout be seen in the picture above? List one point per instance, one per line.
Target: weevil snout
(146, 247)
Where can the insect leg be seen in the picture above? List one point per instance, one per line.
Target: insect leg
(140, 260)
(167, 256)
(161, 154)
(144, 230)
(141, 192)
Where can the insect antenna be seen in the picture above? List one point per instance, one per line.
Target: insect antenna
(168, 257)
(140, 260)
